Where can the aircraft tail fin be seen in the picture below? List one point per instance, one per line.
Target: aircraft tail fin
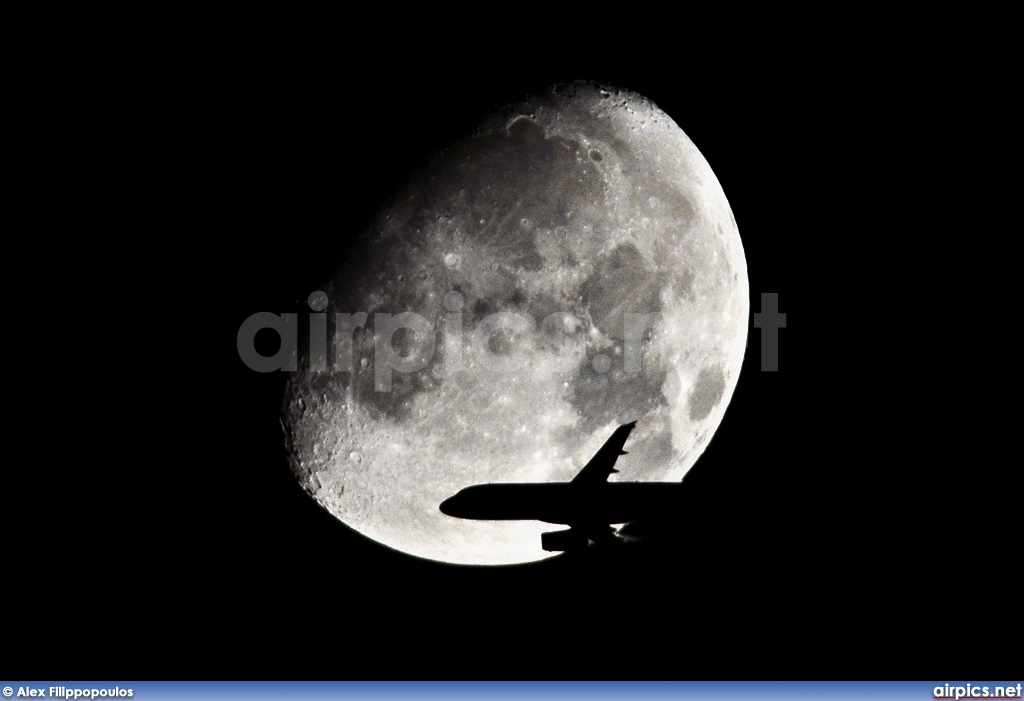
(602, 465)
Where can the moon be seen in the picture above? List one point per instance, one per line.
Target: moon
(570, 266)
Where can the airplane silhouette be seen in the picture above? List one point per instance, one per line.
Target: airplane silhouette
(588, 504)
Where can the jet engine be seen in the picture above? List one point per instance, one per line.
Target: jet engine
(557, 541)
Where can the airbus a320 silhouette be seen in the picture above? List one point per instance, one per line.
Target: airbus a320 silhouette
(589, 504)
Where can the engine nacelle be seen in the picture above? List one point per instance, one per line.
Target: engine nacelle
(558, 541)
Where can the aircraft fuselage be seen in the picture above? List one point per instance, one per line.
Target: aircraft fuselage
(565, 502)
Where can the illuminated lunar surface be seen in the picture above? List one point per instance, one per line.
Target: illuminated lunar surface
(573, 265)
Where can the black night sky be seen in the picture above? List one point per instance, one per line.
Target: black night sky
(813, 543)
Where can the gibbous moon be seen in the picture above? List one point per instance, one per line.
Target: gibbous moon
(570, 266)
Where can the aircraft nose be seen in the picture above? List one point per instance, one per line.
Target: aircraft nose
(447, 506)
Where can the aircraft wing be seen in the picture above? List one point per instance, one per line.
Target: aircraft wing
(603, 463)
